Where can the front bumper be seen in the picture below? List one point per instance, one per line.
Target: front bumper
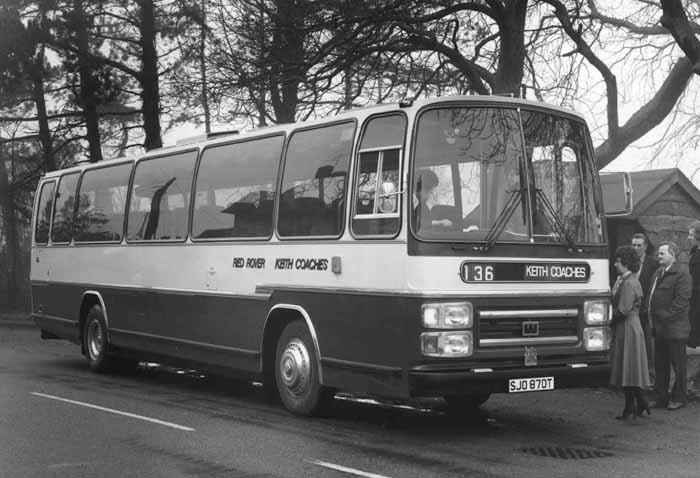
(425, 383)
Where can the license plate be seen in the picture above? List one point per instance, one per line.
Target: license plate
(534, 384)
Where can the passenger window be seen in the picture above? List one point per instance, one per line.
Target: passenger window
(236, 188)
(62, 228)
(378, 177)
(159, 205)
(101, 204)
(313, 185)
(43, 213)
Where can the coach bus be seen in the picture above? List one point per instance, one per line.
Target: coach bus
(452, 247)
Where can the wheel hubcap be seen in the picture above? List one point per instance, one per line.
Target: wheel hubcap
(295, 367)
(95, 339)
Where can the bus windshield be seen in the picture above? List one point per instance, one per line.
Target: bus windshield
(498, 174)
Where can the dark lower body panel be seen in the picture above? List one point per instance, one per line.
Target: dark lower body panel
(369, 343)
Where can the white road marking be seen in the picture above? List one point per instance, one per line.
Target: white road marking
(345, 469)
(69, 465)
(116, 412)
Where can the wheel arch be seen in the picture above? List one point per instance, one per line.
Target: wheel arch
(277, 318)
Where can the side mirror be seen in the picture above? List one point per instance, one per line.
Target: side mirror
(617, 194)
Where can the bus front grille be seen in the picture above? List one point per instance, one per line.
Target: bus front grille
(513, 327)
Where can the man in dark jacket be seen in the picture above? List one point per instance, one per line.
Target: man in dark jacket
(669, 303)
(694, 268)
(648, 266)
(694, 339)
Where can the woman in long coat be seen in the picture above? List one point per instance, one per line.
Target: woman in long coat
(629, 356)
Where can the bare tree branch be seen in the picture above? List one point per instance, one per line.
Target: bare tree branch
(649, 115)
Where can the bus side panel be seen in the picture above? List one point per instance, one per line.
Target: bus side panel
(222, 330)
(366, 341)
(55, 308)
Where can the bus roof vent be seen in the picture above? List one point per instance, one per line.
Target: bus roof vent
(204, 136)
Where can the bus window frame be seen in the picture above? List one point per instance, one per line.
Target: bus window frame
(198, 164)
(377, 215)
(400, 193)
(131, 161)
(587, 148)
(53, 181)
(53, 214)
(484, 103)
(353, 147)
(160, 155)
(437, 106)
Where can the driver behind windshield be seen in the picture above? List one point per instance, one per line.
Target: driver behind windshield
(423, 217)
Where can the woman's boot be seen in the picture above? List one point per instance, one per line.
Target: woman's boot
(630, 409)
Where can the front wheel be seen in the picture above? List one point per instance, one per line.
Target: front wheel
(297, 374)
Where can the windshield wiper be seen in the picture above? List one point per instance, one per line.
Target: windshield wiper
(501, 221)
(553, 219)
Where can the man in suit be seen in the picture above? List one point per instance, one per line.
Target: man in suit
(648, 265)
(669, 303)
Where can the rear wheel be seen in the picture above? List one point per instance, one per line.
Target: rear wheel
(97, 346)
(95, 340)
(297, 374)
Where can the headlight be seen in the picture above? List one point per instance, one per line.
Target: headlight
(447, 344)
(595, 312)
(596, 339)
(455, 315)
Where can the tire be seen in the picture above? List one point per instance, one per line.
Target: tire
(465, 403)
(296, 372)
(96, 342)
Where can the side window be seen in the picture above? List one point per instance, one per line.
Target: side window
(101, 204)
(62, 229)
(235, 189)
(43, 213)
(160, 197)
(313, 185)
(378, 178)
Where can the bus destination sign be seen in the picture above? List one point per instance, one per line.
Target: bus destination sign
(525, 272)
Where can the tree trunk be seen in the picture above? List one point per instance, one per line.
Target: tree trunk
(150, 93)
(287, 59)
(347, 90)
(508, 77)
(12, 251)
(49, 164)
(39, 97)
(203, 69)
(88, 84)
(675, 19)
